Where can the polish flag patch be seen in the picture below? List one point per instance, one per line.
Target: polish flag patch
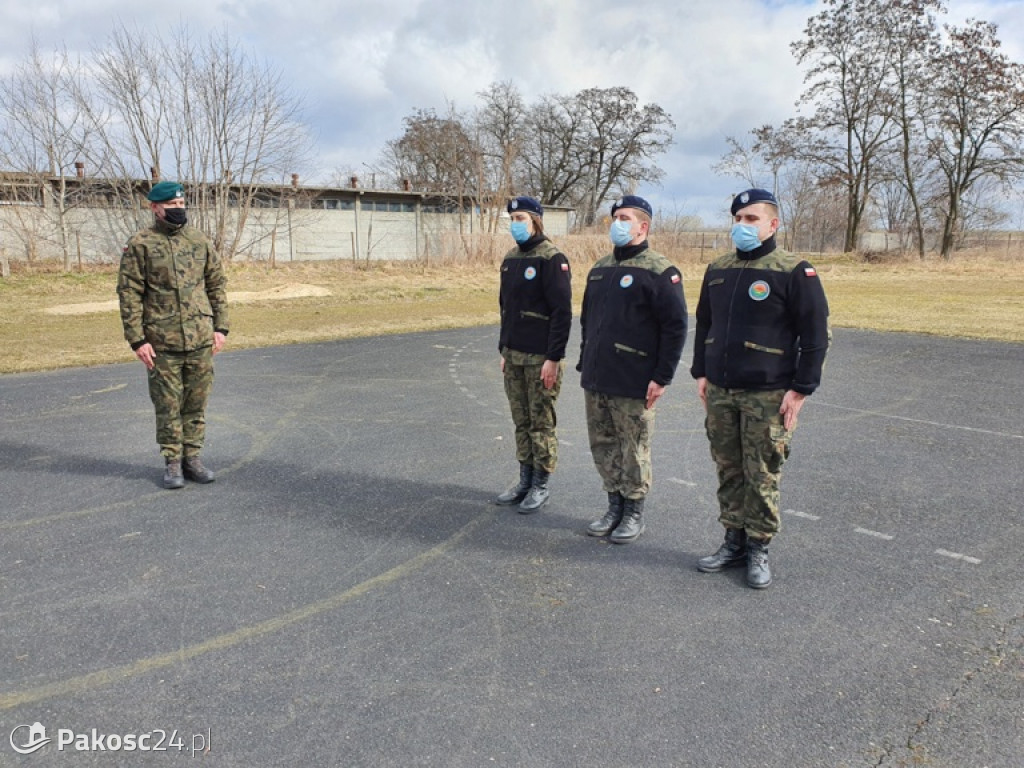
(675, 278)
(565, 267)
(809, 271)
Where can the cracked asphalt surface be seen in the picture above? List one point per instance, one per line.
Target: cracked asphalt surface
(344, 594)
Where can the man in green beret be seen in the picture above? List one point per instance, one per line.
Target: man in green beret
(173, 295)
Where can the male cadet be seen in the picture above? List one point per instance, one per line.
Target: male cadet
(762, 335)
(172, 291)
(633, 325)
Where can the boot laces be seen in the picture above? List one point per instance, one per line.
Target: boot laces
(758, 556)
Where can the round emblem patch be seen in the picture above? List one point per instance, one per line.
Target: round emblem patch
(530, 273)
(626, 281)
(759, 291)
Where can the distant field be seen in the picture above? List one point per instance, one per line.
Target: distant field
(43, 324)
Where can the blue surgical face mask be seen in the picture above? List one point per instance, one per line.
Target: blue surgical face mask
(520, 231)
(744, 237)
(621, 233)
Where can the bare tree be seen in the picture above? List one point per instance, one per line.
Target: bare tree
(498, 126)
(43, 134)
(774, 159)
(208, 114)
(621, 141)
(552, 164)
(436, 153)
(977, 95)
(740, 161)
(853, 119)
(910, 30)
(565, 150)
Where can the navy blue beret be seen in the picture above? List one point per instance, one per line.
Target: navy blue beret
(633, 201)
(751, 196)
(164, 191)
(527, 204)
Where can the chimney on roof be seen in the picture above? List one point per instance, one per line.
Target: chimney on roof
(80, 169)
(295, 181)
(406, 185)
(354, 182)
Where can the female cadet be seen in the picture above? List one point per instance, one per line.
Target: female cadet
(536, 315)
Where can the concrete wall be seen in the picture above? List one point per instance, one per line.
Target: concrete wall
(361, 225)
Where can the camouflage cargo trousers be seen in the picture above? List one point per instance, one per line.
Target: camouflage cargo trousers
(179, 386)
(749, 445)
(533, 413)
(620, 430)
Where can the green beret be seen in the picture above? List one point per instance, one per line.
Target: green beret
(164, 191)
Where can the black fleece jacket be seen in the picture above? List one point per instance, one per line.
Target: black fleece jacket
(762, 322)
(633, 323)
(535, 299)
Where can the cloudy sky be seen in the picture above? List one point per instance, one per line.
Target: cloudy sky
(719, 67)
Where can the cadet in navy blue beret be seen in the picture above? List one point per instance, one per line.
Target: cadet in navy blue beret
(633, 201)
(632, 329)
(751, 196)
(535, 300)
(527, 204)
(758, 353)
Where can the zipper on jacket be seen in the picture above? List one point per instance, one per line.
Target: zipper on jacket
(728, 328)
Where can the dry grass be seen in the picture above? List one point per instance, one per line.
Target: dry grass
(979, 297)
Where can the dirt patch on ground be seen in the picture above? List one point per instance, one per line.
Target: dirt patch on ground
(278, 293)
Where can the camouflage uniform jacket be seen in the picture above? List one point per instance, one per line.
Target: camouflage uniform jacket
(172, 289)
(633, 323)
(535, 300)
(762, 322)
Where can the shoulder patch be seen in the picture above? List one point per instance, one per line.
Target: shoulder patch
(810, 272)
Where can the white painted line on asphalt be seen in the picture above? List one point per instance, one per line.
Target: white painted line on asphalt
(804, 515)
(876, 534)
(958, 556)
(923, 421)
(679, 481)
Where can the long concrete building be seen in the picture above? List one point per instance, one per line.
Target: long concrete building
(88, 220)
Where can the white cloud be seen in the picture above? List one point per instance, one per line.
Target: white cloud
(719, 67)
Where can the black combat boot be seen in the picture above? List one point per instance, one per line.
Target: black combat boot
(538, 494)
(632, 524)
(517, 492)
(172, 475)
(611, 518)
(732, 552)
(759, 575)
(195, 471)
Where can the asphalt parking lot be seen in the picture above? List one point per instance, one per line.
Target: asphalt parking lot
(345, 595)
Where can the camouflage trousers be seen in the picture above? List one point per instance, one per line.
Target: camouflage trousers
(533, 413)
(749, 445)
(179, 386)
(620, 430)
